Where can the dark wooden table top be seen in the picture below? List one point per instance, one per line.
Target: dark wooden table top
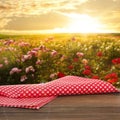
(81, 107)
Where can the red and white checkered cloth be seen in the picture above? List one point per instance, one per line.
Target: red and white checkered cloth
(34, 96)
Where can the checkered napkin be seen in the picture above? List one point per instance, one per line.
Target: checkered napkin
(34, 96)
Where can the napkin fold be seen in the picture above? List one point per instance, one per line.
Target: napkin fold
(34, 96)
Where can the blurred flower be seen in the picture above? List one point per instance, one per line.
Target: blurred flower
(99, 54)
(70, 67)
(32, 53)
(84, 61)
(111, 75)
(63, 58)
(53, 75)
(95, 77)
(1, 65)
(29, 69)
(51, 38)
(53, 53)
(46, 39)
(6, 61)
(112, 81)
(42, 47)
(79, 54)
(75, 60)
(86, 72)
(112, 78)
(17, 60)
(23, 44)
(11, 49)
(15, 70)
(1, 49)
(38, 62)
(23, 78)
(87, 67)
(73, 38)
(60, 74)
(116, 61)
(36, 49)
(26, 57)
(8, 42)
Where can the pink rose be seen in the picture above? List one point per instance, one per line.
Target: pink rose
(26, 57)
(15, 70)
(84, 61)
(23, 78)
(53, 53)
(79, 54)
(1, 65)
(38, 62)
(53, 75)
(29, 69)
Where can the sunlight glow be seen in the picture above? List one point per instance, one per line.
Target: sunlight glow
(79, 23)
(84, 24)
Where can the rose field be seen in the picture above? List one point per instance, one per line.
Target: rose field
(28, 59)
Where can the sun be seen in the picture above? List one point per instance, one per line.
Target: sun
(83, 23)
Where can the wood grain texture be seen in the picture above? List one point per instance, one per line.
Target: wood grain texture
(82, 107)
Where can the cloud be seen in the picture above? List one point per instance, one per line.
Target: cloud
(23, 8)
(106, 11)
(37, 6)
(13, 13)
(37, 22)
(4, 22)
(112, 20)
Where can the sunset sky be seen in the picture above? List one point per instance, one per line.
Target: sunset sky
(59, 16)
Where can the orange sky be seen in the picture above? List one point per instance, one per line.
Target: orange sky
(59, 16)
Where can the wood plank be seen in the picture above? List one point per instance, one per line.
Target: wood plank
(82, 107)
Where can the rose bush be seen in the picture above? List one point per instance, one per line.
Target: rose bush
(37, 59)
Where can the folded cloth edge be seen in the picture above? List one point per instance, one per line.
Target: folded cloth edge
(58, 87)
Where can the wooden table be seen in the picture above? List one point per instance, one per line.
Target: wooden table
(82, 107)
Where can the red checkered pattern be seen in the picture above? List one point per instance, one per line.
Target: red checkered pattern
(31, 103)
(35, 96)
